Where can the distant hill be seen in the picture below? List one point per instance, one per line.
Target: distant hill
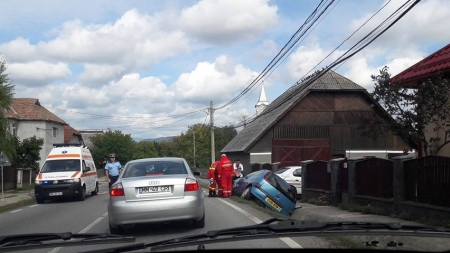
(160, 139)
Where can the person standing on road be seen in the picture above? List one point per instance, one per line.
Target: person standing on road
(112, 170)
(226, 167)
(218, 174)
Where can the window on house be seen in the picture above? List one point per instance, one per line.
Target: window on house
(55, 132)
(14, 129)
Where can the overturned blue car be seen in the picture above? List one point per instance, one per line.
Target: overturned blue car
(268, 190)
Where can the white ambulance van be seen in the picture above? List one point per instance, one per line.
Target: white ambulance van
(69, 171)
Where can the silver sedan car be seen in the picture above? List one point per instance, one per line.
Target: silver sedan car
(155, 190)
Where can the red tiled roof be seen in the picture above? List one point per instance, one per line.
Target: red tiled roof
(69, 132)
(438, 61)
(31, 109)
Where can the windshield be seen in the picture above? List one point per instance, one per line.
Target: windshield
(61, 165)
(130, 118)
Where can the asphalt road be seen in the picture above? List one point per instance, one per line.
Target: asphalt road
(90, 216)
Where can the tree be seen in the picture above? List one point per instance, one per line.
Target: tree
(243, 119)
(412, 109)
(113, 142)
(8, 143)
(144, 149)
(28, 153)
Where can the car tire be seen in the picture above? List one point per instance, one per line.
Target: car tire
(82, 197)
(200, 223)
(40, 200)
(96, 190)
(247, 193)
(115, 230)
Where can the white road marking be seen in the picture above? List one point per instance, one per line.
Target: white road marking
(101, 193)
(18, 210)
(84, 230)
(291, 243)
(33, 205)
(88, 227)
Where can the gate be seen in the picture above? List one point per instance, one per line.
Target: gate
(291, 152)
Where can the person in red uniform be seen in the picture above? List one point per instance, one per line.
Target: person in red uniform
(218, 174)
(212, 181)
(227, 171)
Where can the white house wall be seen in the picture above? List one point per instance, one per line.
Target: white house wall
(41, 129)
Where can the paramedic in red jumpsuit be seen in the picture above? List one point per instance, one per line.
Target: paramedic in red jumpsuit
(227, 175)
(212, 181)
(218, 177)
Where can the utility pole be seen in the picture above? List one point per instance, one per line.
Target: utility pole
(211, 117)
(194, 149)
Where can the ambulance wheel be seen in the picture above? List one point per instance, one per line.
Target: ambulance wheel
(96, 190)
(247, 193)
(83, 194)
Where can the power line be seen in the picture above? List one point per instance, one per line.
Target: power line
(278, 64)
(277, 58)
(342, 59)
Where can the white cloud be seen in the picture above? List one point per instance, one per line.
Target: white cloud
(211, 81)
(426, 22)
(38, 72)
(226, 21)
(19, 50)
(98, 74)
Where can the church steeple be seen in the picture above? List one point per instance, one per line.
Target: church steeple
(262, 103)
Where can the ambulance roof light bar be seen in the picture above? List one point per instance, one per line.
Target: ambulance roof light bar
(58, 145)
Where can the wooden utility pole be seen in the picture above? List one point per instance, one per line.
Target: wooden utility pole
(211, 117)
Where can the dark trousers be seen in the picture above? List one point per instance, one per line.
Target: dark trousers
(113, 180)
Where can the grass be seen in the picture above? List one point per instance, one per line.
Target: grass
(368, 209)
(16, 205)
(23, 189)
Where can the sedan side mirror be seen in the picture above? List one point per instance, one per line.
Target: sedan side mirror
(86, 169)
(196, 173)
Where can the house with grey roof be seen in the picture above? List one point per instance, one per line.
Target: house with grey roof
(316, 119)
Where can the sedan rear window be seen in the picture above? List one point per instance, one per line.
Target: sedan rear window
(154, 168)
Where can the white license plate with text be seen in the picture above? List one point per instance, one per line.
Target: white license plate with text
(152, 189)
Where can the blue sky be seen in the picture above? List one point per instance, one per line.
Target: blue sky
(133, 65)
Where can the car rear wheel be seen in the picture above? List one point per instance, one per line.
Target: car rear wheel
(247, 193)
(200, 223)
(115, 230)
(40, 200)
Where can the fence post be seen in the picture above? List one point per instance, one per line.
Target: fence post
(352, 163)
(335, 181)
(304, 165)
(399, 181)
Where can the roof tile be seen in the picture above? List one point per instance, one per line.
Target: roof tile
(31, 109)
(437, 61)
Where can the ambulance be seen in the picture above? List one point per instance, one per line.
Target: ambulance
(69, 171)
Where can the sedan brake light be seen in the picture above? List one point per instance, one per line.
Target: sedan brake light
(117, 190)
(191, 185)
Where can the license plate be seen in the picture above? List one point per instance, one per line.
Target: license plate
(152, 189)
(273, 204)
(55, 194)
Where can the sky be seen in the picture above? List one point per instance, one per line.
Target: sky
(151, 68)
